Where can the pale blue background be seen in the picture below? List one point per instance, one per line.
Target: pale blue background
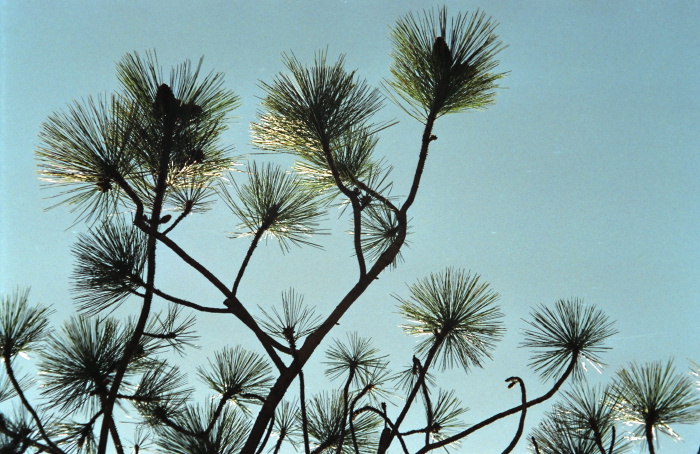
(581, 181)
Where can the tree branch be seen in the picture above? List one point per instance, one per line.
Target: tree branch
(423, 369)
(235, 306)
(185, 212)
(160, 189)
(503, 414)
(346, 392)
(314, 339)
(423, 156)
(181, 302)
(374, 194)
(267, 436)
(356, 208)
(388, 422)
(304, 419)
(7, 359)
(249, 254)
(521, 424)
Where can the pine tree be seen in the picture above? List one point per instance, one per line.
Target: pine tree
(137, 164)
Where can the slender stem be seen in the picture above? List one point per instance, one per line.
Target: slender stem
(181, 302)
(357, 233)
(346, 391)
(523, 413)
(423, 369)
(424, 430)
(503, 414)
(598, 439)
(217, 412)
(352, 417)
(534, 444)
(612, 441)
(267, 436)
(356, 208)
(428, 410)
(355, 446)
(302, 404)
(649, 433)
(278, 445)
(116, 440)
(422, 157)
(248, 255)
(185, 212)
(7, 358)
(126, 187)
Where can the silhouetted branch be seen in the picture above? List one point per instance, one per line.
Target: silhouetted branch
(503, 414)
(521, 424)
(7, 359)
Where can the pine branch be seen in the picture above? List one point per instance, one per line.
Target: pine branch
(523, 397)
(7, 358)
(503, 414)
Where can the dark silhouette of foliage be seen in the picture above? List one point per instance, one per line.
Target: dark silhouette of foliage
(135, 165)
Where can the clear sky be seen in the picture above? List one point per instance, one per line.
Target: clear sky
(581, 181)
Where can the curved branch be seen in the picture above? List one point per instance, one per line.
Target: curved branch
(126, 187)
(20, 393)
(521, 424)
(422, 370)
(356, 208)
(503, 414)
(388, 422)
(612, 441)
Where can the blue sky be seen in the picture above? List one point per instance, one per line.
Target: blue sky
(581, 181)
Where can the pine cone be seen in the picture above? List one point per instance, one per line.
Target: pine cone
(441, 51)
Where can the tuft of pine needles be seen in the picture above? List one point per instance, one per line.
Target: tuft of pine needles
(439, 67)
(571, 329)
(459, 309)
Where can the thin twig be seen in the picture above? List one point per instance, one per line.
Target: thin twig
(181, 302)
